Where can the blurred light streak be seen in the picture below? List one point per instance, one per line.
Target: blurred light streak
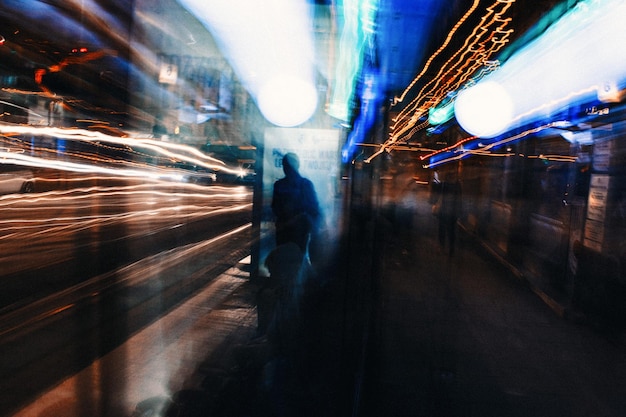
(445, 44)
(105, 203)
(486, 39)
(441, 114)
(371, 100)
(584, 137)
(474, 53)
(480, 152)
(451, 153)
(448, 148)
(102, 27)
(178, 152)
(477, 48)
(555, 158)
(213, 193)
(570, 64)
(269, 45)
(357, 21)
(50, 18)
(93, 25)
(528, 132)
(129, 275)
(6, 103)
(36, 162)
(32, 228)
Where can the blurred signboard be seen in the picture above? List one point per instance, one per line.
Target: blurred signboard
(319, 153)
(602, 152)
(168, 73)
(596, 211)
(598, 194)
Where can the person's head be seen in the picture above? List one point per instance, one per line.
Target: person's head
(291, 164)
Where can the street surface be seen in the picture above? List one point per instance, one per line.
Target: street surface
(162, 361)
(462, 336)
(86, 268)
(52, 239)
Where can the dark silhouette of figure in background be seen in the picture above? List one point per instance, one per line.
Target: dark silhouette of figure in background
(297, 217)
(449, 210)
(158, 130)
(297, 214)
(295, 205)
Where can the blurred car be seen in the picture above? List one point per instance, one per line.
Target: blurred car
(195, 174)
(16, 179)
(241, 159)
(202, 177)
(245, 174)
(102, 127)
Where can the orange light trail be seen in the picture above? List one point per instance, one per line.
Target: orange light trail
(439, 51)
(170, 151)
(488, 37)
(29, 228)
(49, 223)
(448, 148)
(462, 153)
(214, 193)
(459, 67)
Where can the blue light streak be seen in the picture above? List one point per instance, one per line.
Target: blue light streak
(571, 63)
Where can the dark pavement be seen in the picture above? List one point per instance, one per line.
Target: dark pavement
(394, 326)
(462, 335)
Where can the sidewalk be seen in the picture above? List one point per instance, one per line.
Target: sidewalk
(246, 376)
(166, 366)
(462, 335)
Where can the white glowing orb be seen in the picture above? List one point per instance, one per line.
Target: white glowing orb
(287, 101)
(270, 46)
(484, 110)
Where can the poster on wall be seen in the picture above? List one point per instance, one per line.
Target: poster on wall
(318, 151)
(596, 211)
(168, 73)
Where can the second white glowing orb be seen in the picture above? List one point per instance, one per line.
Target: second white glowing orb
(484, 110)
(287, 101)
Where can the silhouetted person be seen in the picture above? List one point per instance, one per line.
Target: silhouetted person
(449, 210)
(297, 216)
(435, 188)
(158, 130)
(287, 275)
(295, 206)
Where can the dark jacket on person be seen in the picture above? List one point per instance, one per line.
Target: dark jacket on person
(296, 208)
